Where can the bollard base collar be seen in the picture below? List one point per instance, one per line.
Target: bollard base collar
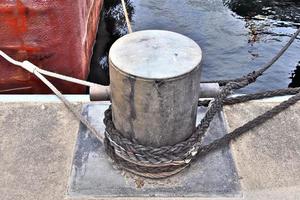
(95, 175)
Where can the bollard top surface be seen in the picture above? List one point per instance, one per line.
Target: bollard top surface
(155, 54)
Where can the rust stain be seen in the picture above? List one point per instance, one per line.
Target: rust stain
(16, 17)
(33, 30)
(18, 75)
(139, 182)
(17, 20)
(22, 11)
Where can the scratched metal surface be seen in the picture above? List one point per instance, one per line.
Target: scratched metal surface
(94, 174)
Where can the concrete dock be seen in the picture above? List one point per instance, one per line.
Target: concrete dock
(38, 137)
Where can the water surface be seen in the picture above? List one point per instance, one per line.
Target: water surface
(237, 36)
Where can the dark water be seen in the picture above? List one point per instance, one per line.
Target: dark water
(237, 36)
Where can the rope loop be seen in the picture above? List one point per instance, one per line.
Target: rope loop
(166, 161)
(169, 160)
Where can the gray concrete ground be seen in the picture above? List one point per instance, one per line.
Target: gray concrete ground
(37, 142)
(36, 146)
(268, 157)
(94, 174)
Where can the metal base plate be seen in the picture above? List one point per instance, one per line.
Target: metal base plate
(95, 175)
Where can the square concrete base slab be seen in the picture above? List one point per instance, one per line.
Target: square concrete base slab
(94, 175)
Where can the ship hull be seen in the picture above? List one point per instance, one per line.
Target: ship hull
(55, 35)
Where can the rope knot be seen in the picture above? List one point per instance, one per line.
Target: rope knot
(29, 66)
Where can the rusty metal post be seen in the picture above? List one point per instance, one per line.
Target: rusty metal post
(155, 78)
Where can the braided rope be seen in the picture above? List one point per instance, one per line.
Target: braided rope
(165, 161)
(263, 68)
(255, 96)
(165, 169)
(249, 125)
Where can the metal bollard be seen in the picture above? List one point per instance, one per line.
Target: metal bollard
(209, 90)
(155, 82)
(99, 93)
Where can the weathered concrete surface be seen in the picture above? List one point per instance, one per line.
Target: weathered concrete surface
(94, 175)
(36, 146)
(268, 157)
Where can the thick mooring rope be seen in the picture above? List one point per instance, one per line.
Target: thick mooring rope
(254, 96)
(166, 161)
(38, 72)
(263, 68)
(169, 160)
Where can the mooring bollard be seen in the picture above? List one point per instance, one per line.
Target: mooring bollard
(155, 77)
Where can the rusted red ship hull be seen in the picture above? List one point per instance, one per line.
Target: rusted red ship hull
(56, 35)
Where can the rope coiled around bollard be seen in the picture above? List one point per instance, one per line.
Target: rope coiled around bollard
(169, 160)
(166, 161)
